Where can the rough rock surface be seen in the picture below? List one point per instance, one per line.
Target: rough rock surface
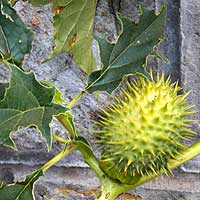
(190, 63)
(71, 178)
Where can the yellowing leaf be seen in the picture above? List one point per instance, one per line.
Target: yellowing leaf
(73, 23)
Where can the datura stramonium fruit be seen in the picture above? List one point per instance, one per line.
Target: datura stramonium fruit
(144, 129)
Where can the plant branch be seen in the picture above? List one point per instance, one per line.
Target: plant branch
(60, 139)
(187, 155)
(76, 99)
(90, 158)
(110, 189)
(59, 157)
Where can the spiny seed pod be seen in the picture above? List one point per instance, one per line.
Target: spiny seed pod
(144, 129)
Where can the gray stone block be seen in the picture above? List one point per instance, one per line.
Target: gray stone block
(190, 63)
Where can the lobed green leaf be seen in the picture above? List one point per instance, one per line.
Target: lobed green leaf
(27, 103)
(3, 87)
(20, 190)
(67, 118)
(128, 55)
(15, 37)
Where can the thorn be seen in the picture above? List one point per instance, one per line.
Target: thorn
(151, 73)
(184, 96)
(153, 170)
(107, 160)
(127, 166)
(167, 82)
(152, 152)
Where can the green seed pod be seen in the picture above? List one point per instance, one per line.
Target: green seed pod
(144, 129)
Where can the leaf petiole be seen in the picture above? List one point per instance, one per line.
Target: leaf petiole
(59, 157)
(76, 99)
(60, 139)
(89, 157)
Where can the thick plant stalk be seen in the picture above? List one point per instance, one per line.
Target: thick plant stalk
(59, 157)
(111, 189)
(110, 192)
(189, 154)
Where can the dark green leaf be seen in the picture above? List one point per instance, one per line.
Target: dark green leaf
(58, 96)
(15, 38)
(130, 52)
(20, 190)
(67, 118)
(4, 49)
(3, 87)
(27, 103)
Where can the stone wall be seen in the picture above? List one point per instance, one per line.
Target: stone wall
(71, 178)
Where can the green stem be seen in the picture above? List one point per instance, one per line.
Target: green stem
(110, 189)
(189, 154)
(60, 139)
(59, 157)
(76, 99)
(65, 121)
(90, 159)
(94, 165)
